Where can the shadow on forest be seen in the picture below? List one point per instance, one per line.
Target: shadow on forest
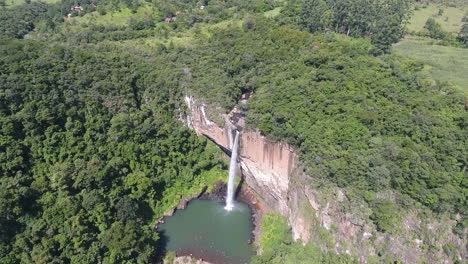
(161, 247)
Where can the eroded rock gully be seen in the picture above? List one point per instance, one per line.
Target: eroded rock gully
(272, 171)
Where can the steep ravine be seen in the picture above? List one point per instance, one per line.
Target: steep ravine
(328, 219)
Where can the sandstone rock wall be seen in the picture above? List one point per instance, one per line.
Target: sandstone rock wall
(266, 165)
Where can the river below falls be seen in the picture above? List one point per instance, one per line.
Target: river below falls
(205, 230)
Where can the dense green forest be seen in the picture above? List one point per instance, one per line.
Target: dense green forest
(90, 154)
(91, 151)
(356, 119)
(382, 21)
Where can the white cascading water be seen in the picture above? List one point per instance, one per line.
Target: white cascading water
(232, 174)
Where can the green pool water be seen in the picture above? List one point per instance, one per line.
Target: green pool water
(206, 230)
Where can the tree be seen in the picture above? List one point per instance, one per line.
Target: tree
(384, 23)
(389, 31)
(315, 15)
(463, 35)
(434, 29)
(249, 23)
(121, 239)
(385, 215)
(126, 208)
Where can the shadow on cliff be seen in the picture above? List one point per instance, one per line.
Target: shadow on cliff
(239, 187)
(224, 149)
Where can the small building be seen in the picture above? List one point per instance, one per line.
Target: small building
(202, 7)
(76, 8)
(168, 20)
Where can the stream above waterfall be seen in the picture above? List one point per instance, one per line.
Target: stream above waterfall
(206, 230)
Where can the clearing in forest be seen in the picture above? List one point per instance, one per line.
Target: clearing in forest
(444, 63)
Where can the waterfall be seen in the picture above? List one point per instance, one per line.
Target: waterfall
(232, 174)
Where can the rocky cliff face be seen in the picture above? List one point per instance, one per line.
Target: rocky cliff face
(266, 165)
(328, 219)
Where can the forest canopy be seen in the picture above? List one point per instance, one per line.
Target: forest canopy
(381, 20)
(92, 151)
(90, 154)
(357, 120)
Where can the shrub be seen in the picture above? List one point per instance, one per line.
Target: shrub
(463, 35)
(434, 29)
(440, 12)
(385, 215)
(170, 257)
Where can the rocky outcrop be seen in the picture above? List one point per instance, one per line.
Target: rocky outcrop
(183, 204)
(329, 218)
(266, 165)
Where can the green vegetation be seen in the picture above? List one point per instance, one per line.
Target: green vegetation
(274, 231)
(20, 2)
(432, 25)
(273, 13)
(463, 34)
(18, 21)
(445, 22)
(450, 18)
(434, 29)
(357, 120)
(278, 247)
(385, 215)
(87, 166)
(91, 152)
(120, 18)
(364, 122)
(170, 257)
(441, 63)
(383, 23)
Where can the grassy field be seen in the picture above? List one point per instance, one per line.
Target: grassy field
(442, 63)
(450, 20)
(274, 12)
(180, 39)
(119, 18)
(19, 2)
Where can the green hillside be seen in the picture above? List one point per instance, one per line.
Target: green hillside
(93, 153)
